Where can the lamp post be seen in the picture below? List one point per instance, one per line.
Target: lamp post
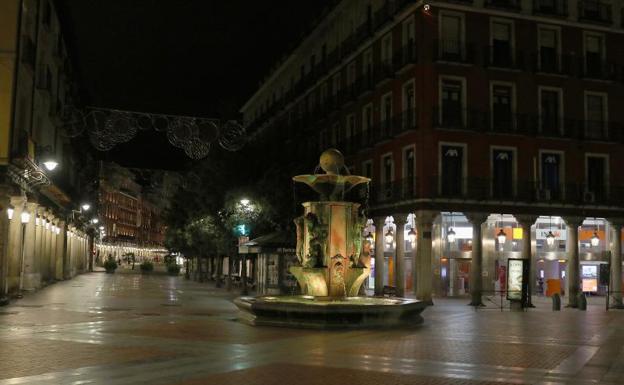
(24, 219)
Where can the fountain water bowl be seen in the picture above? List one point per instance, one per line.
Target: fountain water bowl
(334, 261)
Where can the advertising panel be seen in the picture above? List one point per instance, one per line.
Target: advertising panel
(589, 276)
(515, 279)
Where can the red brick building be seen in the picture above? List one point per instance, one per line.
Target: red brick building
(489, 115)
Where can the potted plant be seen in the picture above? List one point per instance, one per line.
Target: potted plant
(173, 269)
(110, 265)
(147, 267)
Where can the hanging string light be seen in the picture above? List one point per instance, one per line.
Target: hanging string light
(107, 128)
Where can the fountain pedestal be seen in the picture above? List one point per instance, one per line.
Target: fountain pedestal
(334, 262)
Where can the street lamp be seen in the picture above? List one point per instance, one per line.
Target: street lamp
(502, 237)
(411, 235)
(389, 237)
(369, 237)
(85, 206)
(50, 164)
(595, 239)
(10, 211)
(550, 238)
(450, 235)
(95, 221)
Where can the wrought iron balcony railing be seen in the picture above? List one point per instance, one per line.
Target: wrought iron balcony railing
(595, 11)
(551, 7)
(512, 5)
(453, 51)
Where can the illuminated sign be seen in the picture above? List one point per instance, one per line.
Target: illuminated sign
(515, 279)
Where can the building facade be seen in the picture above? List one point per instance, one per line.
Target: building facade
(42, 234)
(130, 221)
(474, 119)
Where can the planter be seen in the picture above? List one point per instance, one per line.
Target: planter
(110, 271)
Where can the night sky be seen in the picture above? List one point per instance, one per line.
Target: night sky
(189, 57)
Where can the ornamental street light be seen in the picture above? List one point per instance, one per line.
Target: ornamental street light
(50, 164)
(502, 237)
(595, 239)
(411, 235)
(550, 238)
(450, 235)
(389, 237)
(85, 206)
(10, 211)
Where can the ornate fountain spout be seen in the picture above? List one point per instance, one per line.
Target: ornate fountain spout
(329, 234)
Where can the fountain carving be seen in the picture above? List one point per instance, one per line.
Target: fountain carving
(334, 261)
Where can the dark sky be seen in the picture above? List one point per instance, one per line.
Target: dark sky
(192, 57)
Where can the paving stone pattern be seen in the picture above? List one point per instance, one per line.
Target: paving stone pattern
(155, 329)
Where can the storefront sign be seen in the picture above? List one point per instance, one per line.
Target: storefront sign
(560, 235)
(515, 279)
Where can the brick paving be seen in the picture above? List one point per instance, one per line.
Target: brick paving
(132, 329)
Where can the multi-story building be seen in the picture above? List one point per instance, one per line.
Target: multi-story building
(41, 237)
(491, 129)
(130, 221)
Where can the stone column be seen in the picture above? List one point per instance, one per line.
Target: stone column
(572, 248)
(67, 255)
(4, 241)
(53, 239)
(616, 262)
(15, 245)
(424, 256)
(45, 247)
(60, 251)
(526, 221)
(31, 274)
(399, 272)
(476, 262)
(39, 231)
(379, 254)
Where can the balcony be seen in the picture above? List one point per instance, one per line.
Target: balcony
(453, 51)
(509, 5)
(29, 52)
(503, 58)
(598, 69)
(405, 56)
(553, 63)
(383, 15)
(595, 11)
(383, 71)
(551, 7)
(365, 84)
(394, 191)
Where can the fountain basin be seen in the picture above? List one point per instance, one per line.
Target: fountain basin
(305, 311)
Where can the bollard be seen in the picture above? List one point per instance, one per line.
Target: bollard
(556, 302)
(582, 302)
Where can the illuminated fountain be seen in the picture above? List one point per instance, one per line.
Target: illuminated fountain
(334, 261)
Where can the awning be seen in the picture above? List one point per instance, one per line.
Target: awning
(280, 241)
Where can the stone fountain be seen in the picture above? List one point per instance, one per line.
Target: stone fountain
(334, 261)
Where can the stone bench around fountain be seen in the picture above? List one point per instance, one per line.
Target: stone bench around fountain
(334, 261)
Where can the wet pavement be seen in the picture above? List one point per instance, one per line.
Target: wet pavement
(156, 329)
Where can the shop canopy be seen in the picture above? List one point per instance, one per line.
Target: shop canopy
(278, 241)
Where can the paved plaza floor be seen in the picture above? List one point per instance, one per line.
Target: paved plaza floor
(134, 329)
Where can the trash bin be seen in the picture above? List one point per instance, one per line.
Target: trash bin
(582, 301)
(556, 302)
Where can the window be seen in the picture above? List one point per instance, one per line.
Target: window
(550, 111)
(367, 169)
(387, 172)
(386, 50)
(409, 172)
(595, 115)
(367, 122)
(409, 39)
(549, 50)
(502, 108)
(409, 106)
(503, 173)
(596, 178)
(452, 103)
(551, 166)
(594, 55)
(350, 126)
(502, 48)
(336, 85)
(367, 68)
(451, 44)
(386, 113)
(351, 74)
(452, 168)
